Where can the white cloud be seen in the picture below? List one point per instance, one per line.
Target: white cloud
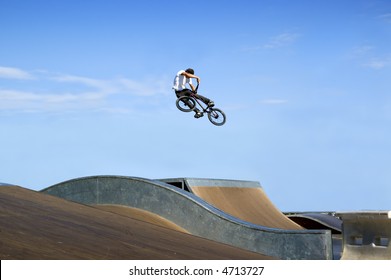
(32, 101)
(367, 56)
(102, 86)
(361, 51)
(117, 85)
(273, 101)
(377, 63)
(282, 40)
(14, 73)
(148, 88)
(279, 41)
(53, 92)
(13, 95)
(385, 17)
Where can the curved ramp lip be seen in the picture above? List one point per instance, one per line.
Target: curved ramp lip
(331, 222)
(195, 199)
(188, 183)
(226, 183)
(248, 201)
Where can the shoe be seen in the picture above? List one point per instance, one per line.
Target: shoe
(211, 104)
(198, 115)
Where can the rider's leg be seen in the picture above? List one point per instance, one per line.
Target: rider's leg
(206, 100)
(187, 92)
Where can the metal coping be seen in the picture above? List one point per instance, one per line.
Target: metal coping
(370, 214)
(226, 183)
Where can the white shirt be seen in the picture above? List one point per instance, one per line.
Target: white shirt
(180, 81)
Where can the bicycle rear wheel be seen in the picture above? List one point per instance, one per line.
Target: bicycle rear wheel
(216, 116)
(185, 103)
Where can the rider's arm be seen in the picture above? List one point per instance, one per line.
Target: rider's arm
(191, 76)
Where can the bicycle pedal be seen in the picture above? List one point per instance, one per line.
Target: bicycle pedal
(198, 115)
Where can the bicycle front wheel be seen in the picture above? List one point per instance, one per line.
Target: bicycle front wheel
(216, 116)
(185, 103)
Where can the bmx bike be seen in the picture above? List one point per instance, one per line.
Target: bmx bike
(188, 103)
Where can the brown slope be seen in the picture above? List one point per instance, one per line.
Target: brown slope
(140, 214)
(248, 204)
(34, 225)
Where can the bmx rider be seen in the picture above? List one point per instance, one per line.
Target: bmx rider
(184, 77)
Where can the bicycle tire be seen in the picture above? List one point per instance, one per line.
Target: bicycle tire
(185, 104)
(217, 117)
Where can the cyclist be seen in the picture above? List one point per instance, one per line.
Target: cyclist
(184, 77)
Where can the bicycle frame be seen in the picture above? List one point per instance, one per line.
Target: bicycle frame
(215, 116)
(194, 95)
(199, 102)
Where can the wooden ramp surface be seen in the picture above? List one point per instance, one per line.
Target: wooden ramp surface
(34, 225)
(248, 204)
(140, 214)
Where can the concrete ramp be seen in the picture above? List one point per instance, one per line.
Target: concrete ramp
(195, 215)
(366, 235)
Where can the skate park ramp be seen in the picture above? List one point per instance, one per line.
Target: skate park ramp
(313, 220)
(245, 200)
(35, 225)
(195, 215)
(142, 215)
(322, 220)
(366, 235)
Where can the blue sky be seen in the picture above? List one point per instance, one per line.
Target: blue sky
(85, 89)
